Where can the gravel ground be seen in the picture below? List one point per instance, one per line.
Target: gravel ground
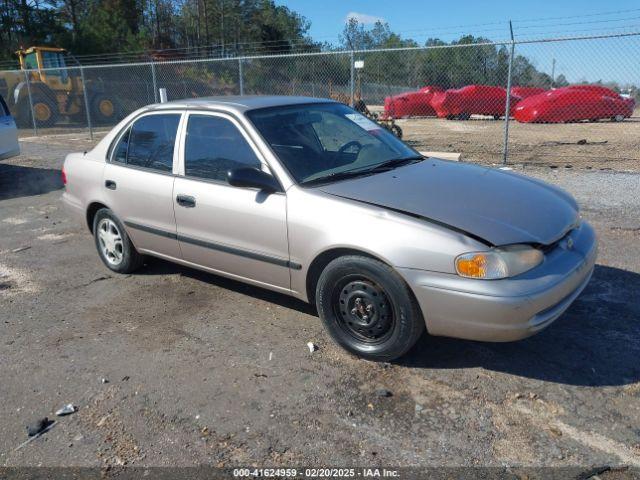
(204, 370)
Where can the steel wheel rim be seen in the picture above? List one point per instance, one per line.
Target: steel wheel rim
(363, 310)
(110, 241)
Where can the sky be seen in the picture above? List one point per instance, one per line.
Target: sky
(609, 59)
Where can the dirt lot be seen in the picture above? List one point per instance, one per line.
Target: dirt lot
(203, 370)
(609, 145)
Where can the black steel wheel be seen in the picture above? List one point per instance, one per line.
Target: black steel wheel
(363, 309)
(367, 308)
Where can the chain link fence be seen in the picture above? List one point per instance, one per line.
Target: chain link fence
(571, 101)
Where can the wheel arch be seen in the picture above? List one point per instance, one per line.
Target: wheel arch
(92, 209)
(323, 259)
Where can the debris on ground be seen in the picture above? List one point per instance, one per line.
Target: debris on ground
(21, 249)
(312, 347)
(555, 430)
(68, 409)
(384, 393)
(104, 380)
(582, 141)
(39, 426)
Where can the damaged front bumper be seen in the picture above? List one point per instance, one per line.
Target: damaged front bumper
(512, 308)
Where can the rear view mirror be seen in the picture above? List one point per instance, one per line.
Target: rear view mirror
(253, 178)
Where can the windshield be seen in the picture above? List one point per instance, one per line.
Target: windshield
(326, 141)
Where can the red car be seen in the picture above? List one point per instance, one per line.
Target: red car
(525, 92)
(470, 100)
(411, 104)
(574, 103)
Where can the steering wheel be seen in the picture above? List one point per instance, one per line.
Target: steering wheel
(348, 145)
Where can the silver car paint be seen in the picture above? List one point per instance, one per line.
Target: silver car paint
(231, 218)
(303, 223)
(489, 203)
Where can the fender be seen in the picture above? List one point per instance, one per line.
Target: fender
(21, 91)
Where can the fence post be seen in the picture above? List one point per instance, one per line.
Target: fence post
(240, 79)
(507, 111)
(33, 116)
(86, 102)
(352, 84)
(155, 82)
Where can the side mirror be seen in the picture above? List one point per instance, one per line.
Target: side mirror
(252, 178)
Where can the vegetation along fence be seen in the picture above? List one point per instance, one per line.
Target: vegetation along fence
(571, 102)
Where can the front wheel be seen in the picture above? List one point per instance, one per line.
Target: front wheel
(367, 308)
(114, 245)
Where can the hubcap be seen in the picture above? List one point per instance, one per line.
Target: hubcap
(110, 241)
(364, 310)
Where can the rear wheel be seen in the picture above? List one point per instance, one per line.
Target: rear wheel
(368, 308)
(114, 246)
(617, 118)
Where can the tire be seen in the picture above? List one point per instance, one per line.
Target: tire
(105, 110)
(464, 116)
(114, 247)
(367, 308)
(617, 118)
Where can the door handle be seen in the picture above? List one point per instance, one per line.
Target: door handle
(186, 201)
(110, 184)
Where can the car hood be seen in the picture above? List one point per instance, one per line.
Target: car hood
(495, 206)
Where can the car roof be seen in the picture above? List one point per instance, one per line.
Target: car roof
(239, 103)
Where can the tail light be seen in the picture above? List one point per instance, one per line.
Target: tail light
(64, 176)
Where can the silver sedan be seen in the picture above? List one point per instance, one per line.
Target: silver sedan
(309, 198)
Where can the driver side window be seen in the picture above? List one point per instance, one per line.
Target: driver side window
(213, 146)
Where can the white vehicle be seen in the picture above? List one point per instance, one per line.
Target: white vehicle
(9, 146)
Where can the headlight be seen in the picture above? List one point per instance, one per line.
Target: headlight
(499, 262)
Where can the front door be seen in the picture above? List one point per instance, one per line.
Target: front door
(138, 182)
(241, 232)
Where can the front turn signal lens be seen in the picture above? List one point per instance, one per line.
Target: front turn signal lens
(473, 266)
(501, 262)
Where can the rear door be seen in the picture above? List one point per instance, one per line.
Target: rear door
(236, 231)
(138, 181)
(9, 146)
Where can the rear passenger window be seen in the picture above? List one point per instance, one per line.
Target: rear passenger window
(120, 152)
(150, 142)
(213, 146)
